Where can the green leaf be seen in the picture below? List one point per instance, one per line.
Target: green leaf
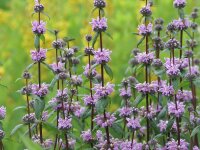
(101, 105)
(46, 15)
(109, 35)
(108, 71)
(138, 99)
(195, 131)
(181, 13)
(102, 12)
(190, 36)
(17, 127)
(53, 82)
(37, 41)
(140, 41)
(30, 145)
(42, 37)
(20, 107)
(50, 127)
(170, 124)
(68, 39)
(93, 10)
(162, 112)
(116, 130)
(154, 126)
(39, 106)
(30, 66)
(48, 66)
(95, 38)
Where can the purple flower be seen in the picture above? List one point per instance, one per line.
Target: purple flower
(102, 57)
(103, 91)
(172, 44)
(79, 112)
(38, 56)
(193, 73)
(179, 3)
(184, 95)
(57, 68)
(145, 30)
(146, 10)
(125, 93)
(99, 25)
(40, 91)
(126, 145)
(76, 80)
(176, 109)
(62, 94)
(167, 90)
(133, 123)
(173, 145)
(151, 113)
(142, 88)
(86, 136)
(47, 144)
(64, 124)
(2, 112)
(145, 58)
(125, 111)
(45, 116)
(88, 72)
(181, 24)
(173, 71)
(105, 122)
(195, 148)
(162, 125)
(179, 63)
(38, 28)
(90, 100)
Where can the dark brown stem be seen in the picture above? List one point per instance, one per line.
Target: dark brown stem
(28, 109)
(132, 139)
(58, 87)
(39, 79)
(102, 80)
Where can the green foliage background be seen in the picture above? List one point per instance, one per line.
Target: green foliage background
(71, 17)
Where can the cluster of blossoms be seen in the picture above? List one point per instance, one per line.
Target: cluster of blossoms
(38, 56)
(103, 91)
(64, 124)
(177, 109)
(145, 58)
(40, 91)
(38, 27)
(99, 24)
(179, 3)
(145, 30)
(182, 24)
(100, 120)
(102, 56)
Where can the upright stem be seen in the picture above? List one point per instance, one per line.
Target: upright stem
(181, 47)
(147, 96)
(58, 87)
(102, 81)
(39, 79)
(28, 109)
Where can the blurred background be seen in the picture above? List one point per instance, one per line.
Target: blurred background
(71, 18)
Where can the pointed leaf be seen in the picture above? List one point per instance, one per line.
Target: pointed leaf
(138, 99)
(95, 38)
(140, 41)
(108, 71)
(195, 131)
(39, 106)
(17, 127)
(37, 41)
